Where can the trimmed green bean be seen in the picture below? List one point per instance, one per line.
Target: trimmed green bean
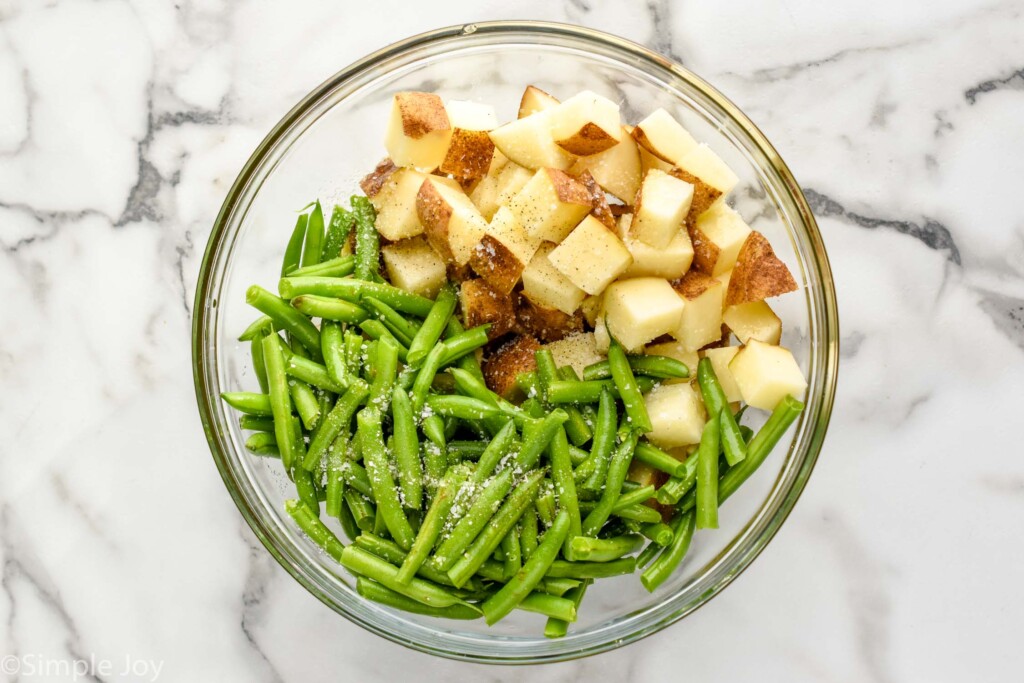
(306, 404)
(389, 551)
(591, 570)
(356, 476)
(250, 403)
(550, 606)
(371, 440)
(335, 503)
(313, 247)
(618, 467)
(461, 407)
(353, 290)
(659, 367)
(634, 497)
(568, 391)
(557, 628)
(499, 447)
(338, 230)
(377, 331)
(576, 427)
(307, 490)
(457, 346)
(513, 555)
(263, 443)
(603, 443)
(603, 549)
(314, 528)
(707, 476)
(659, 533)
(629, 390)
(255, 423)
(433, 327)
(547, 371)
(367, 238)
(286, 318)
(545, 503)
(280, 399)
(658, 459)
(407, 450)
(733, 443)
(258, 366)
(329, 309)
(403, 330)
(717, 404)
(433, 523)
(361, 509)
(311, 372)
(676, 487)
(425, 377)
(335, 267)
(673, 554)
(528, 533)
(540, 436)
(335, 421)
(565, 485)
(473, 520)
(332, 346)
(372, 590)
(363, 563)
(293, 251)
(386, 365)
(258, 328)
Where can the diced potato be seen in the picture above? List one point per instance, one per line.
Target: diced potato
(701, 320)
(765, 374)
(551, 204)
(704, 196)
(497, 190)
(482, 305)
(724, 279)
(661, 206)
(759, 273)
(452, 224)
(709, 167)
(414, 266)
(649, 161)
(591, 308)
(496, 264)
(717, 238)
(546, 286)
(534, 100)
(663, 136)
(578, 351)
(755, 320)
(720, 359)
(547, 324)
(602, 339)
(470, 149)
(616, 170)
(677, 415)
(418, 130)
(395, 203)
(591, 256)
(670, 263)
(528, 142)
(372, 183)
(676, 350)
(505, 227)
(640, 310)
(511, 358)
(586, 123)
(599, 207)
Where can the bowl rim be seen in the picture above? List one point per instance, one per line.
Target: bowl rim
(829, 322)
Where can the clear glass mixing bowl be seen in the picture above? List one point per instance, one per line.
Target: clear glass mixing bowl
(334, 136)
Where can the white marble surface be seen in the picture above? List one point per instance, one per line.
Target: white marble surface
(122, 123)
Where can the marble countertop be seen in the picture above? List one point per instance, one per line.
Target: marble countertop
(122, 124)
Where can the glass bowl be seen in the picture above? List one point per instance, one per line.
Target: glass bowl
(323, 146)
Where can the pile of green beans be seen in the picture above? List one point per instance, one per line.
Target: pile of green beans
(441, 497)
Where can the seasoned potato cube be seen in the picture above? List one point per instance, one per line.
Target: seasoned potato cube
(586, 123)
(512, 358)
(765, 374)
(591, 256)
(755, 320)
(577, 351)
(759, 273)
(547, 287)
(648, 161)
(704, 196)
(591, 308)
(395, 203)
(663, 136)
(373, 181)
(717, 238)
(616, 170)
(528, 142)
(534, 100)
(701, 320)
(661, 206)
(482, 305)
(677, 350)
(720, 359)
(551, 204)
(547, 324)
(470, 149)
(495, 191)
(677, 415)
(709, 167)
(496, 264)
(506, 229)
(670, 262)
(418, 130)
(452, 224)
(414, 266)
(641, 309)
(598, 202)
(602, 339)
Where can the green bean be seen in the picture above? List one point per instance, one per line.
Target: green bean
(717, 404)
(545, 503)
(403, 330)
(660, 367)
(367, 238)
(513, 555)
(470, 385)
(550, 606)
(528, 535)
(707, 476)
(366, 564)
(306, 404)
(604, 441)
(526, 579)
(329, 309)
(354, 349)
(335, 421)
(250, 403)
(500, 524)
(307, 490)
(435, 462)
(528, 384)
(465, 342)
(361, 509)
(286, 318)
(387, 370)
(335, 267)
(338, 230)
(293, 252)
(353, 290)
(407, 450)
(263, 443)
(618, 466)
(658, 459)
(733, 443)
(576, 427)
(389, 551)
(672, 555)
(334, 504)
(372, 590)
(256, 424)
(547, 371)
(433, 523)
(565, 486)
(557, 587)
(591, 570)
(638, 513)
(473, 520)
(425, 378)
(257, 329)
(433, 429)
(540, 436)
(659, 533)
(280, 399)
(604, 549)
(568, 391)
(314, 528)
(648, 554)
(634, 497)
(557, 628)
(377, 331)
(311, 372)
(314, 237)
(629, 391)
(332, 346)
(356, 476)
(348, 522)
(499, 447)
(675, 488)
(576, 455)
(258, 366)
(461, 407)
(371, 440)
(471, 363)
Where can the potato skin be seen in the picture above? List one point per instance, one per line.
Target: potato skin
(469, 155)
(601, 210)
(435, 213)
(509, 360)
(422, 113)
(758, 273)
(496, 264)
(703, 194)
(547, 324)
(372, 183)
(482, 305)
